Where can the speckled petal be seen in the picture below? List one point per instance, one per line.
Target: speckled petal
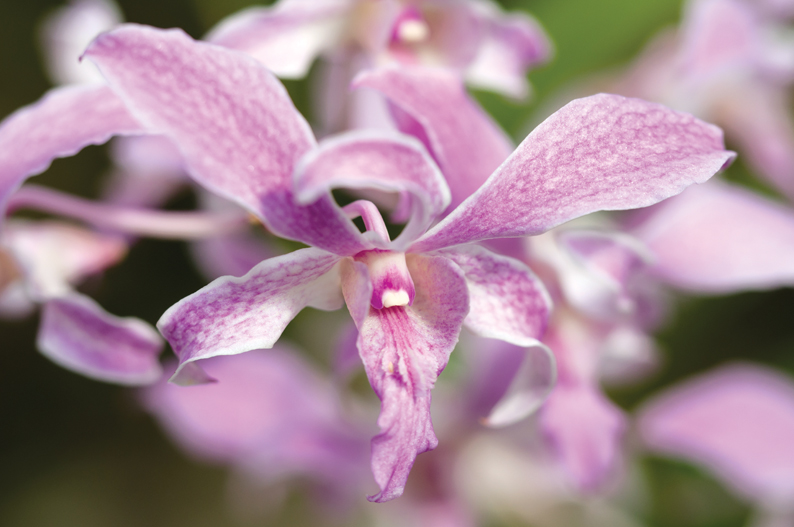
(232, 120)
(286, 37)
(235, 315)
(604, 152)
(61, 124)
(432, 105)
(79, 335)
(383, 161)
(507, 301)
(404, 349)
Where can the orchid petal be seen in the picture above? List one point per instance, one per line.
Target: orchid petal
(533, 382)
(719, 35)
(149, 171)
(721, 238)
(604, 152)
(261, 396)
(232, 120)
(506, 300)
(597, 280)
(433, 105)
(764, 132)
(61, 124)
(235, 315)
(585, 430)
(80, 336)
(234, 254)
(67, 31)
(738, 421)
(387, 162)
(404, 349)
(515, 43)
(55, 255)
(286, 37)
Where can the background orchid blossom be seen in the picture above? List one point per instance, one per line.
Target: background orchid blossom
(472, 39)
(731, 62)
(164, 77)
(738, 422)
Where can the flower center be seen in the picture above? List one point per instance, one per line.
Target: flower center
(410, 27)
(391, 281)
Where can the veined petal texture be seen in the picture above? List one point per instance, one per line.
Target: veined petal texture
(233, 122)
(604, 152)
(432, 105)
(506, 300)
(404, 349)
(235, 315)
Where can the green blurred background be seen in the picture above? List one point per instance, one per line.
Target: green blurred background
(75, 452)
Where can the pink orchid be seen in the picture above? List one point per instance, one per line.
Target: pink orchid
(473, 37)
(737, 421)
(592, 274)
(731, 62)
(242, 138)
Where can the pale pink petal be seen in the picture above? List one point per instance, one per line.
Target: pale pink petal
(79, 335)
(286, 37)
(719, 36)
(54, 256)
(61, 124)
(233, 122)
(130, 220)
(533, 382)
(605, 263)
(375, 160)
(235, 315)
(260, 396)
(404, 349)
(757, 117)
(721, 238)
(585, 431)
(149, 171)
(234, 254)
(67, 31)
(506, 300)
(514, 43)
(604, 152)
(432, 105)
(738, 421)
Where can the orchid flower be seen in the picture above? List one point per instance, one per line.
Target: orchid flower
(731, 62)
(473, 37)
(241, 137)
(592, 275)
(738, 422)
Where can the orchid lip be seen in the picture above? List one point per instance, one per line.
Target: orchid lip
(392, 285)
